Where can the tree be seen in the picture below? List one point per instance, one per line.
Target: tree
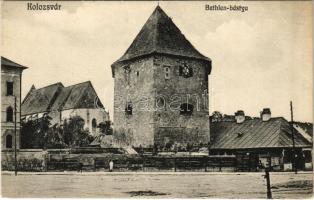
(74, 133)
(105, 127)
(27, 134)
(216, 116)
(55, 138)
(40, 134)
(34, 132)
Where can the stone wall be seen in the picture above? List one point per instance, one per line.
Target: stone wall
(171, 126)
(154, 121)
(136, 129)
(27, 159)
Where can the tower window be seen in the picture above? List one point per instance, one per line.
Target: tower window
(128, 109)
(186, 109)
(8, 141)
(9, 88)
(137, 73)
(9, 114)
(167, 72)
(127, 72)
(94, 123)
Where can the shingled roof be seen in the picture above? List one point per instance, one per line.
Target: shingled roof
(161, 35)
(254, 133)
(57, 97)
(82, 95)
(10, 63)
(40, 100)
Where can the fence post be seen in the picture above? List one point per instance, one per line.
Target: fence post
(205, 164)
(220, 164)
(144, 163)
(266, 176)
(94, 164)
(175, 165)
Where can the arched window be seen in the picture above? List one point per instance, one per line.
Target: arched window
(186, 109)
(8, 141)
(9, 114)
(94, 123)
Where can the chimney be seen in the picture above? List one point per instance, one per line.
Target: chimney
(265, 115)
(239, 116)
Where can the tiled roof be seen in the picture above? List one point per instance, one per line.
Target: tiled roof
(39, 100)
(10, 63)
(81, 95)
(254, 133)
(161, 35)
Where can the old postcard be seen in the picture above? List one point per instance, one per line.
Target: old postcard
(157, 99)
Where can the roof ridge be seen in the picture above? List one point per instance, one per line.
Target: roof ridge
(36, 89)
(78, 84)
(66, 98)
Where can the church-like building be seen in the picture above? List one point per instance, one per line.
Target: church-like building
(161, 88)
(61, 103)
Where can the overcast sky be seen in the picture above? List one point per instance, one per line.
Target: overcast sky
(261, 58)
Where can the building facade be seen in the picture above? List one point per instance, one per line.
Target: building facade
(11, 81)
(161, 88)
(61, 103)
(261, 142)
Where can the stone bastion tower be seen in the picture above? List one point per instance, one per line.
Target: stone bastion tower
(161, 88)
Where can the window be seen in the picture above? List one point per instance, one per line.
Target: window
(128, 109)
(137, 73)
(94, 123)
(167, 72)
(9, 114)
(186, 109)
(88, 116)
(9, 88)
(8, 141)
(127, 72)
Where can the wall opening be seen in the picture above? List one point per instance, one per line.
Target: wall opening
(167, 72)
(8, 141)
(129, 109)
(9, 113)
(9, 88)
(186, 109)
(127, 72)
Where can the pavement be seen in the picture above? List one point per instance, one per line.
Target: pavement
(156, 184)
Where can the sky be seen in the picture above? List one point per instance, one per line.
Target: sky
(261, 58)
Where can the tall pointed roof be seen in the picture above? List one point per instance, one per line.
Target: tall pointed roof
(160, 35)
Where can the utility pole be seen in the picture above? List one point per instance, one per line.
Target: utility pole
(267, 177)
(293, 143)
(15, 151)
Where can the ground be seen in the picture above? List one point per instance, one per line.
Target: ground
(156, 185)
